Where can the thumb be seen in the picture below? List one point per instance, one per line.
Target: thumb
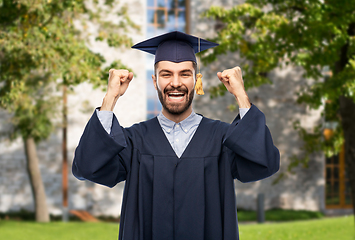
(130, 76)
(219, 75)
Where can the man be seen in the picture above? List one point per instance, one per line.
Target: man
(178, 167)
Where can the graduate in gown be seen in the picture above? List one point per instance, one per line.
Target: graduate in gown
(179, 167)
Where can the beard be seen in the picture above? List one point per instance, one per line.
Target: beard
(176, 108)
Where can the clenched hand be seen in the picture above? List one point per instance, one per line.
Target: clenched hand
(233, 80)
(118, 82)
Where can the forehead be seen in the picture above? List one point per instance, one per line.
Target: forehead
(172, 66)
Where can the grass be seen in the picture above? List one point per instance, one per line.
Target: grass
(339, 228)
(11, 230)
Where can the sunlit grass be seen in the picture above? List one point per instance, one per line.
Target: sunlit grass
(339, 228)
(11, 230)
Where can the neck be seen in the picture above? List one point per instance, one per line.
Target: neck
(177, 117)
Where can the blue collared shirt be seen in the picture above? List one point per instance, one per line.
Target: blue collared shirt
(179, 134)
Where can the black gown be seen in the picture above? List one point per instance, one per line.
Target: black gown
(166, 197)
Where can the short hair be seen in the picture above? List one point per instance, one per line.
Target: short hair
(194, 64)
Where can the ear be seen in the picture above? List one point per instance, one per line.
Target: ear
(154, 81)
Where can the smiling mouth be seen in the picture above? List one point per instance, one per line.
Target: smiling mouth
(176, 95)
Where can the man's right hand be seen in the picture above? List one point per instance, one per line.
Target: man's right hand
(118, 82)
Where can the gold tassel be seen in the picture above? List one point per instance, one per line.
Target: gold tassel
(198, 86)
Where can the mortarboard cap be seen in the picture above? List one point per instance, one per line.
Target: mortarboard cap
(174, 47)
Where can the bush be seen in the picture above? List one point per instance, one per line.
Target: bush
(25, 215)
(22, 215)
(279, 215)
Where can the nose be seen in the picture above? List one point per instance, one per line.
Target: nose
(175, 82)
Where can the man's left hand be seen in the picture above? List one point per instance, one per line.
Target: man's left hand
(233, 80)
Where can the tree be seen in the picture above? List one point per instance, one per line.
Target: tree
(314, 34)
(43, 46)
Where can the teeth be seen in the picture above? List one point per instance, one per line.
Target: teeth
(175, 95)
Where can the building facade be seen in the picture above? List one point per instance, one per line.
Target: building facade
(318, 187)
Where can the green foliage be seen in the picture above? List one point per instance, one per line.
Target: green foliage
(315, 141)
(315, 35)
(43, 46)
(25, 215)
(22, 215)
(279, 215)
(310, 34)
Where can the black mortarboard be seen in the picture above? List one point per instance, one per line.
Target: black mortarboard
(176, 47)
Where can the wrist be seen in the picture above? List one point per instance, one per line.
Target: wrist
(108, 103)
(242, 100)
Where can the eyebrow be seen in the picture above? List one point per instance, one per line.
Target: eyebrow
(165, 70)
(186, 70)
(182, 71)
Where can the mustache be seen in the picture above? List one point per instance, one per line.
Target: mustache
(179, 89)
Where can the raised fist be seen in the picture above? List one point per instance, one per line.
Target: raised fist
(233, 80)
(118, 82)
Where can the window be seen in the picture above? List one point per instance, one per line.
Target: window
(162, 16)
(337, 186)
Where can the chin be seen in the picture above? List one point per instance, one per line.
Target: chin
(176, 108)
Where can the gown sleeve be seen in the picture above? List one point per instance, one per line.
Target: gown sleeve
(97, 156)
(254, 155)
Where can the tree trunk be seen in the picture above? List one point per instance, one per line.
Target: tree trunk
(39, 195)
(347, 114)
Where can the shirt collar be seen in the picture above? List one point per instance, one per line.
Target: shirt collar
(186, 124)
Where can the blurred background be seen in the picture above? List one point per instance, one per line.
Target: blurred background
(297, 59)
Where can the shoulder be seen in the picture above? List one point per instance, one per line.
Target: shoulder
(144, 127)
(214, 125)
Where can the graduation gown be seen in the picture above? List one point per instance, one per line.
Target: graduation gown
(166, 197)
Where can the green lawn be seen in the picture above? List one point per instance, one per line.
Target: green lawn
(10, 230)
(340, 228)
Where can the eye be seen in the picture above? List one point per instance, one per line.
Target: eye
(165, 75)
